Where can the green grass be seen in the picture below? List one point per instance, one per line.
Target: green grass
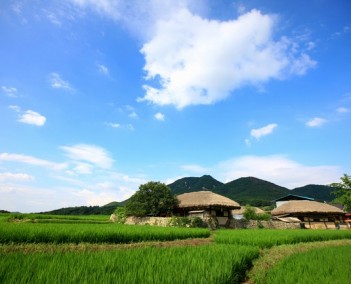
(92, 233)
(322, 266)
(44, 218)
(265, 238)
(202, 264)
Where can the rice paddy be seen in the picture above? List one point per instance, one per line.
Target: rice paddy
(92, 233)
(266, 238)
(323, 266)
(204, 264)
(82, 249)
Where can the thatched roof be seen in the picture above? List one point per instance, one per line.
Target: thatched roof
(205, 199)
(242, 210)
(305, 206)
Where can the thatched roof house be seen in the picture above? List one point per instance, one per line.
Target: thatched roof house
(314, 214)
(205, 199)
(306, 207)
(205, 204)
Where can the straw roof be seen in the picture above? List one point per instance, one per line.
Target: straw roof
(305, 206)
(203, 199)
(242, 210)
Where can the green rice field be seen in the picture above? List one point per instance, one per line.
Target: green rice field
(89, 249)
(323, 266)
(203, 264)
(92, 233)
(266, 238)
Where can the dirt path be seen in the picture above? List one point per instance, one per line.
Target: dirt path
(27, 248)
(270, 257)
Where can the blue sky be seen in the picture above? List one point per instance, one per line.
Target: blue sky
(100, 96)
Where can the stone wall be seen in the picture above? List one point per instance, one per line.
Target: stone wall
(153, 221)
(234, 224)
(253, 224)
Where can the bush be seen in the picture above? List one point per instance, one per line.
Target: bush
(121, 216)
(192, 222)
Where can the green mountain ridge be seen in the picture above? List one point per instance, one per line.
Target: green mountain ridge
(245, 190)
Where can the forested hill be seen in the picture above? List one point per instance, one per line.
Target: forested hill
(189, 184)
(249, 190)
(88, 210)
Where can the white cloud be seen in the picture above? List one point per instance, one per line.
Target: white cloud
(113, 125)
(57, 82)
(263, 131)
(32, 161)
(32, 117)
(89, 153)
(277, 169)
(316, 122)
(133, 115)
(103, 70)
(192, 68)
(10, 91)
(83, 168)
(342, 110)
(159, 116)
(15, 177)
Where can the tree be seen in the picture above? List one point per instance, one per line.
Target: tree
(343, 191)
(152, 199)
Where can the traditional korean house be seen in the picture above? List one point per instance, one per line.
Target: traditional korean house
(290, 197)
(313, 214)
(205, 204)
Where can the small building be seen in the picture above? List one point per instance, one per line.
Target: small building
(290, 197)
(313, 214)
(238, 214)
(206, 204)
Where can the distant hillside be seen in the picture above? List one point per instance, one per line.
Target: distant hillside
(318, 192)
(253, 191)
(189, 184)
(249, 190)
(87, 210)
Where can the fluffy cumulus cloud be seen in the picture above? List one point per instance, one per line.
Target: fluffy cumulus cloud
(263, 131)
(191, 59)
(316, 122)
(32, 117)
(159, 116)
(89, 153)
(277, 169)
(200, 61)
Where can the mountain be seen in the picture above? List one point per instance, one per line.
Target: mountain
(318, 192)
(249, 190)
(189, 184)
(253, 191)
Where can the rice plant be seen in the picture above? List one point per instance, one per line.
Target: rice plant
(322, 266)
(269, 238)
(195, 265)
(92, 233)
